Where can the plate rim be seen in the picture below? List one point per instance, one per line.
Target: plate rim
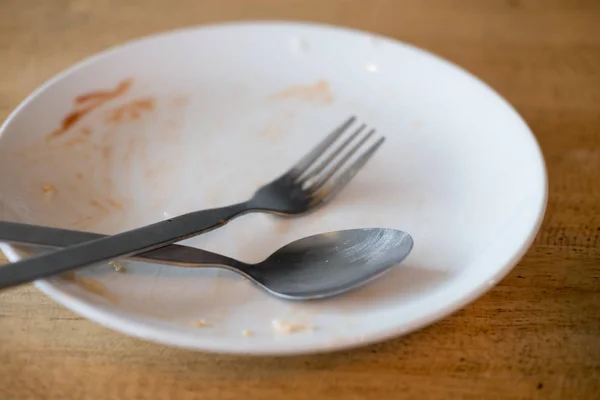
(142, 331)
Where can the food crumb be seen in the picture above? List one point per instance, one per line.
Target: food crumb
(201, 323)
(49, 191)
(285, 327)
(247, 332)
(117, 266)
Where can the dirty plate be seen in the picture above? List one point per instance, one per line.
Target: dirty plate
(199, 118)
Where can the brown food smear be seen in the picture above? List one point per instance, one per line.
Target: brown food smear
(115, 204)
(132, 110)
(89, 284)
(318, 92)
(48, 188)
(49, 191)
(86, 103)
(95, 203)
(82, 138)
(106, 207)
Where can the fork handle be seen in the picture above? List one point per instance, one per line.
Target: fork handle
(121, 245)
(58, 238)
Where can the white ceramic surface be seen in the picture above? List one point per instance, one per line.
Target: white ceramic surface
(214, 112)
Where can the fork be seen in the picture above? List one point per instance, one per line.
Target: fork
(312, 182)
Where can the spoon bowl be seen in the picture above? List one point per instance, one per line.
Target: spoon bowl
(329, 264)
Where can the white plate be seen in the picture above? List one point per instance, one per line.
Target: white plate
(212, 113)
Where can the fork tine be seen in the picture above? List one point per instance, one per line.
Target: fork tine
(301, 166)
(326, 194)
(315, 171)
(332, 170)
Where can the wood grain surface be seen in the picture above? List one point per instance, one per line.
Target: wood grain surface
(536, 335)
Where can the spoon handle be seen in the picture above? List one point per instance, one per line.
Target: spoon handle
(58, 238)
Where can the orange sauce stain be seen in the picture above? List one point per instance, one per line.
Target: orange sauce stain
(96, 204)
(82, 138)
(48, 188)
(319, 92)
(90, 285)
(86, 103)
(132, 110)
(82, 222)
(106, 203)
(49, 191)
(103, 95)
(114, 203)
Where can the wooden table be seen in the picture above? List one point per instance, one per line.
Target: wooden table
(536, 335)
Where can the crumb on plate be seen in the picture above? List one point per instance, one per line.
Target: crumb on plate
(247, 332)
(49, 191)
(201, 323)
(119, 267)
(286, 327)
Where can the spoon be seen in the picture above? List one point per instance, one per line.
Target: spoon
(314, 267)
